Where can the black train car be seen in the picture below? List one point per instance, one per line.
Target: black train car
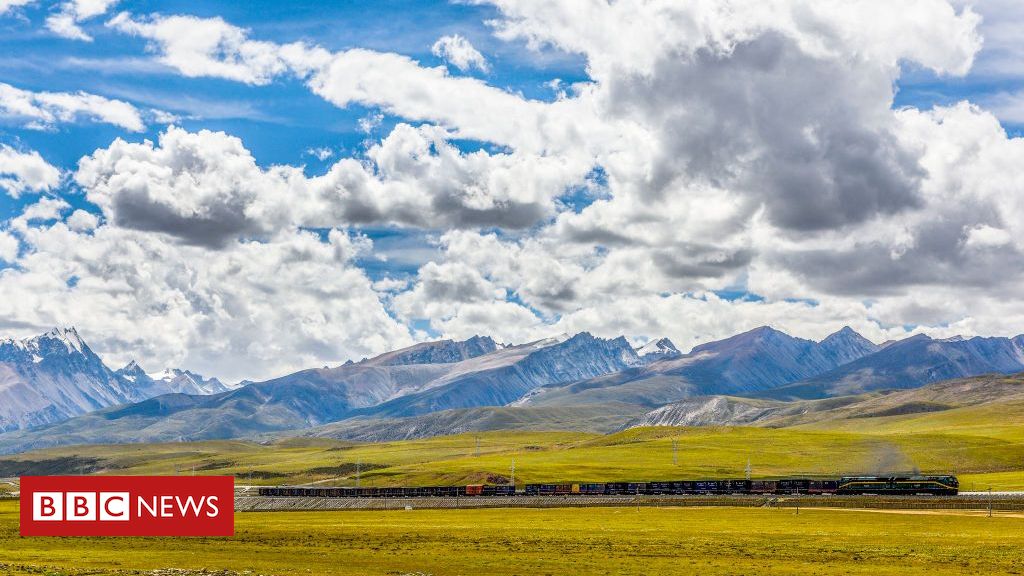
(822, 486)
(763, 486)
(660, 488)
(793, 486)
(615, 488)
(541, 489)
(593, 489)
(684, 487)
(507, 490)
(736, 486)
(707, 486)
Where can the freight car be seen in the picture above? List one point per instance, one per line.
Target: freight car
(877, 485)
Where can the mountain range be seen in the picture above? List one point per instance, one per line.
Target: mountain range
(56, 376)
(54, 390)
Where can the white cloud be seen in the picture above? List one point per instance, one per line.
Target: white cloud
(322, 153)
(72, 13)
(82, 221)
(251, 310)
(459, 52)
(1003, 54)
(206, 47)
(44, 110)
(9, 5)
(43, 211)
(9, 246)
(206, 188)
(1007, 106)
(394, 83)
(22, 172)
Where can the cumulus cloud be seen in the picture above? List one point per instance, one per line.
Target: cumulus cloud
(9, 246)
(82, 221)
(66, 21)
(459, 52)
(255, 309)
(22, 172)
(206, 188)
(44, 209)
(44, 110)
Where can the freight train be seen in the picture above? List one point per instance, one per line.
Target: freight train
(876, 485)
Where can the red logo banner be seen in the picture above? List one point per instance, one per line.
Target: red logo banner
(127, 506)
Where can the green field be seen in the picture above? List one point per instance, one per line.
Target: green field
(640, 454)
(596, 541)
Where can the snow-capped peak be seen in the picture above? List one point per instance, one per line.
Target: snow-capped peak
(167, 374)
(661, 347)
(69, 336)
(38, 346)
(132, 372)
(551, 341)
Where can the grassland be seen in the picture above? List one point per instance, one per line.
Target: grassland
(562, 541)
(644, 453)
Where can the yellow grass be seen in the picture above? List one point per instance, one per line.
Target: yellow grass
(595, 541)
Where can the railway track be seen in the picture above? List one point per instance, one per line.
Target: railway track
(1013, 502)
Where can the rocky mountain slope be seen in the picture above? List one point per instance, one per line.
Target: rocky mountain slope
(761, 359)
(55, 376)
(936, 397)
(384, 386)
(581, 357)
(171, 381)
(594, 418)
(908, 364)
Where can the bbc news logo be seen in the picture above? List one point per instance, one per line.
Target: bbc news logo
(127, 506)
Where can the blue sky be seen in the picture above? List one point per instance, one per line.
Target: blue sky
(807, 190)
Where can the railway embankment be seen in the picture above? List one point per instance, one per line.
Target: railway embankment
(1002, 502)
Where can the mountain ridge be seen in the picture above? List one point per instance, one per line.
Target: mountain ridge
(432, 387)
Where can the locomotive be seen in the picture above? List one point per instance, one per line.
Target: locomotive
(946, 485)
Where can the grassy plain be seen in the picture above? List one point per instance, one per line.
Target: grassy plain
(644, 453)
(590, 541)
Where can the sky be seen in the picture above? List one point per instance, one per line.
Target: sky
(248, 189)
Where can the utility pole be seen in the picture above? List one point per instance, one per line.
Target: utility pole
(513, 476)
(989, 501)
(675, 452)
(359, 463)
(748, 469)
(478, 446)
